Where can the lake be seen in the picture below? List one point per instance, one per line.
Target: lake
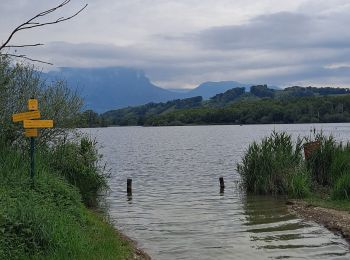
(177, 211)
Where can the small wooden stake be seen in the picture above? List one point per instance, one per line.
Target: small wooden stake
(129, 187)
(222, 184)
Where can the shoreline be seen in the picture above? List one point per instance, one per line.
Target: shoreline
(335, 220)
(138, 253)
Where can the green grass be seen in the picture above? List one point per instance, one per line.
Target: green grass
(49, 221)
(78, 163)
(328, 202)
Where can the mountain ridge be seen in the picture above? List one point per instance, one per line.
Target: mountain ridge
(109, 88)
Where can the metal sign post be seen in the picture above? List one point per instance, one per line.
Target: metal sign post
(31, 129)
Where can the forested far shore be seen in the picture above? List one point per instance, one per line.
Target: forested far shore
(259, 106)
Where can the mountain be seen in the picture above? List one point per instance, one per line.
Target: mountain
(210, 89)
(113, 87)
(110, 88)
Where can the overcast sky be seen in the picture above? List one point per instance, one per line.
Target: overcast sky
(181, 43)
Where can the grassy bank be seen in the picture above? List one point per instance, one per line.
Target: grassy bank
(277, 166)
(50, 221)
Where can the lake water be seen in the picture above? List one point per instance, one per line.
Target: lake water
(177, 211)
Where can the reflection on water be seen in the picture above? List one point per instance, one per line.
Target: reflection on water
(281, 235)
(177, 210)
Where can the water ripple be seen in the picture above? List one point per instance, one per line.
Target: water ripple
(176, 210)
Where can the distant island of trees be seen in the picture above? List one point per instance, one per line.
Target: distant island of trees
(261, 105)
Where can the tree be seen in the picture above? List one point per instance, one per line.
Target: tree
(34, 23)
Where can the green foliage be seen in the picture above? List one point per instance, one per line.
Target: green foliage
(138, 115)
(223, 99)
(78, 163)
(323, 109)
(321, 160)
(341, 188)
(269, 167)
(299, 183)
(49, 221)
(262, 91)
(340, 163)
(274, 166)
(20, 82)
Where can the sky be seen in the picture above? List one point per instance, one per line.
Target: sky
(182, 43)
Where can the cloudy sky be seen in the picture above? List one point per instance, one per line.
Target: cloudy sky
(181, 43)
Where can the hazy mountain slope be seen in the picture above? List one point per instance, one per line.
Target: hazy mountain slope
(114, 87)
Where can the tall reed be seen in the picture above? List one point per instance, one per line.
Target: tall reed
(274, 166)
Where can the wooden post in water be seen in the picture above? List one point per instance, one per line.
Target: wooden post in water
(129, 187)
(222, 184)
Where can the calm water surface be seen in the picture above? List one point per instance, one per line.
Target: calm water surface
(177, 211)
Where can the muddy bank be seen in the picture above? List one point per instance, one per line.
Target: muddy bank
(335, 220)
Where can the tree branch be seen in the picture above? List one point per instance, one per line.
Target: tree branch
(24, 45)
(22, 56)
(32, 23)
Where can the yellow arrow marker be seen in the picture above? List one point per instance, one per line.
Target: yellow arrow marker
(32, 104)
(31, 132)
(25, 116)
(38, 123)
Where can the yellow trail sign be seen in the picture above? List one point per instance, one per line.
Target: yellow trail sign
(32, 104)
(31, 132)
(38, 123)
(25, 116)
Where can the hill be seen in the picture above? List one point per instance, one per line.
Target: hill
(209, 89)
(236, 106)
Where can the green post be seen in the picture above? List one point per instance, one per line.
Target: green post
(32, 162)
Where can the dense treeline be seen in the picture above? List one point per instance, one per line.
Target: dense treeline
(261, 105)
(298, 110)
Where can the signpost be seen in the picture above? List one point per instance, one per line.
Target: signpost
(31, 128)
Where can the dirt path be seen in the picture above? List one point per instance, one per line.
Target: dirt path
(335, 220)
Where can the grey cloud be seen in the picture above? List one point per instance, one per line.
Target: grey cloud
(279, 31)
(279, 48)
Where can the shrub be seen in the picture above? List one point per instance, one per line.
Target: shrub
(268, 167)
(79, 164)
(48, 221)
(57, 101)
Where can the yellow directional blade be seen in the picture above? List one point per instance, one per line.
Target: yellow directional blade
(32, 104)
(31, 132)
(38, 123)
(25, 116)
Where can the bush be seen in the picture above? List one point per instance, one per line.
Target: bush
(270, 166)
(78, 163)
(57, 101)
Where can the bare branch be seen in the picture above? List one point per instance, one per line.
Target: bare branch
(24, 45)
(32, 23)
(59, 20)
(22, 56)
